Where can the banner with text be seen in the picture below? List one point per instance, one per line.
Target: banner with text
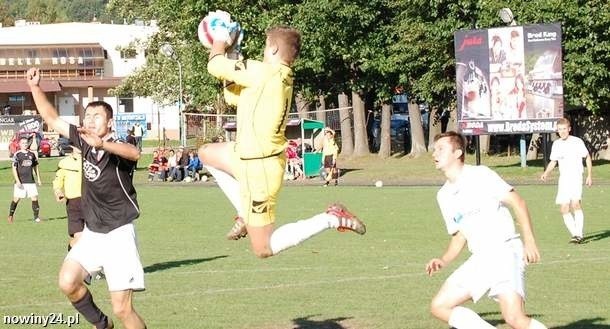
(509, 79)
(123, 122)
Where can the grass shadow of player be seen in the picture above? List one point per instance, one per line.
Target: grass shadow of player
(585, 324)
(596, 236)
(307, 323)
(178, 263)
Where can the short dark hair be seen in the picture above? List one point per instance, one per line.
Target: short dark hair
(103, 105)
(288, 39)
(456, 139)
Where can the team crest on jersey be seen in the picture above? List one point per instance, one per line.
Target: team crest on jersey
(91, 171)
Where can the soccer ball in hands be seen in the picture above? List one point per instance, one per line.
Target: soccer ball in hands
(217, 26)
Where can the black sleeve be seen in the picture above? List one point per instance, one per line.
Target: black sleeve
(75, 139)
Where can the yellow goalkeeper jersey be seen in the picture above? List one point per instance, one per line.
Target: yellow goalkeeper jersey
(69, 175)
(262, 93)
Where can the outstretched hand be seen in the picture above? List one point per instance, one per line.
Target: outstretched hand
(33, 77)
(90, 137)
(434, 265)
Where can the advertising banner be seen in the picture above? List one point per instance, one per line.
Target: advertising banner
(509, 79)
(126, 121)
(12, 124)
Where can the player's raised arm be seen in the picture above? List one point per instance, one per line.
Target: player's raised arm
(45, 108)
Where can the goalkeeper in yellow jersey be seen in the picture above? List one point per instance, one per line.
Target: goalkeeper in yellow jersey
(250, 170)
(67, 186)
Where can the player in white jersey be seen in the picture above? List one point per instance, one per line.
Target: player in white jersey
(474, 202)
(568, 151)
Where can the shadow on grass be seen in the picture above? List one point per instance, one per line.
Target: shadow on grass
(178, 263)
(540, 163)
(343, 171)
(530, 163)
(596, 236)
(498, 321)
(585, 324)
(307, 323)
(56, 218)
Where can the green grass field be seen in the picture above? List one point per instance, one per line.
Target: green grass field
(197, 279)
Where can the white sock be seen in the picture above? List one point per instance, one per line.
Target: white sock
(229, 186)
(464, 318)
(290, 235)
(534, 324)
(579, 222)
(568, 219)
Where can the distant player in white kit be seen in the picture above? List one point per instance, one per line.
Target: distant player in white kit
(569, 151)
(473, 202)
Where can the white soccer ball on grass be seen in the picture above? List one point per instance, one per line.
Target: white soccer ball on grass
(378, 183)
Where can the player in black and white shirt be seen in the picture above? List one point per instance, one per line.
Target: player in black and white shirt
(108, 241)
(25, 165)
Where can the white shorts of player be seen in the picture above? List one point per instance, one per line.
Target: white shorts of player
(569, 189)
(26, 191)
(498, 271)
(115, 253)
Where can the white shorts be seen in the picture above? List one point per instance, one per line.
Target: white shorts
(569, 188)
(28, 190)
(115, 252)
(499, 272)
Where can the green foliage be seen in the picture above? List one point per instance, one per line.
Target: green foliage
(367, 46)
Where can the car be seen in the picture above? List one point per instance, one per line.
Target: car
(44, 146)
(44, 149)
(63, 146)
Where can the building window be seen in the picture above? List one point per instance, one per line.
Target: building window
(128, 53)
(126, 105)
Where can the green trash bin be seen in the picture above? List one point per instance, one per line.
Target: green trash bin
(312, 161)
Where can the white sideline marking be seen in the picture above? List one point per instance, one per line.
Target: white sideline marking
(286, 285)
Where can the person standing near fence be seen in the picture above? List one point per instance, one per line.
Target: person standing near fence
(330, 151)
(138, 133)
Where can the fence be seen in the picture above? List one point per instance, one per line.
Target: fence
(210, 127)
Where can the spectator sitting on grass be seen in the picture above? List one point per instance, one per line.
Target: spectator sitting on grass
(194, 166)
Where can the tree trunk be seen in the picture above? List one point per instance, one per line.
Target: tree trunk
(302, 105)
(532, 150)
(347, 137)
(321, 110)
(385, 148)
(361, 145)
(435, 126)
(452, 124)
(418, 143)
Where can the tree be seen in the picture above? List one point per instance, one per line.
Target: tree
(385, 147)
(418, 144)
(347, 138)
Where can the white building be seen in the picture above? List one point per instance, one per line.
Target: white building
(80, 63)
